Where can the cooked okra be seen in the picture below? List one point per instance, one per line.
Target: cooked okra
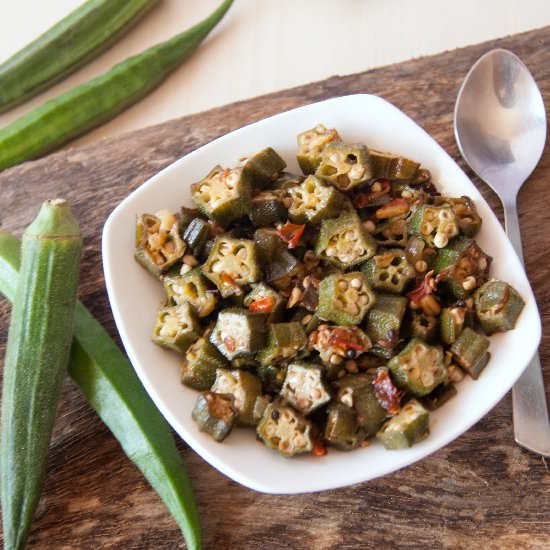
(191, 287)
(345, 166)
(409, 426)
(176, 327)
(345, 298)
(232, 264)
(245, 389)
(344, 241)
(313, 201)
(498, 306)
(418, 368)
(158, 242)
(389, 271)
(284, 429)
(325, 308)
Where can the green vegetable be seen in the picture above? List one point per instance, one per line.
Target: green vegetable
(409, 426)
(81, 36)
(437, 225)
(345, 298)
(276, 261)
(419, 368)
(498, 306)
(439, 396)
(271, 377)
(263, 167)
(284, 429)
(176, 327)
(97, 101)
(215, 414)
(469, 221)
(304, 387)
(385, 318)
(341, 429)
(259, 293)
(424, 327)
(470, 352)
(192, 287)
(389, 271)
(266, 208)
(285, 342)
(199, 367)
(36, 360)
(392, 232)
(451, 323)
(311, 145)
(114, 391)
(392, 167)
(196, 234)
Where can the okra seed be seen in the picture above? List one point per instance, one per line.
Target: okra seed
(335, 359)
(351, 366)
(369, 226)
(185, 268)
(376, 187)
(356, 283)
(441, 240)
(190, 260)
(330, 251)
(421, 266)
(469, 283)
(342, 285)
(363, 300)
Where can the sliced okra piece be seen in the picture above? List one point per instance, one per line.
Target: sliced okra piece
(263, 167)
(276, 261)
(284, 182)
(232, 264)
(345, 298)
(385, 318)
(451, 323)
(196, 234)
(200, 364)
(345, 166)
(342, 428)
(224, 194)
(285, 341)
(286, 430)
(245, 389)
(215, 414)
(272, 377)
(357, 392)
(470, 351)
(238, 332)
(266, 208)
(391, 232)
(311, 145)
(392, 167)
(469, 221)
(389, 271)
(437, 225)
(264, 299)
(498, 306)
(418, 368)
(158, 242)
(440, 396)
(304, 387)
(461, 267)
(344, 242)
(336, 344)
(313, 201)
(176, 327)
(260, 405)
(246, 362)
(191, 287)
(424, 326)
(409, 426)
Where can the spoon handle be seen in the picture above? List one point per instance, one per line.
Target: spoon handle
(531, 426)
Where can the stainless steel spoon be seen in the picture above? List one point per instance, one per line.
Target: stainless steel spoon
(500, 128)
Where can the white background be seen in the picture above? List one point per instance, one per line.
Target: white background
(268, 45)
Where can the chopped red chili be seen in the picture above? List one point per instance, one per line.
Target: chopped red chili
(363, 200)
(263, 305)
(319, 449)
(396, 207)
(226, 279)
(230, 344)
(342, 338)
(290, 233)
(387, 394)
(425, 288)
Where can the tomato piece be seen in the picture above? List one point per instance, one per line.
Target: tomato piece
(263, 305)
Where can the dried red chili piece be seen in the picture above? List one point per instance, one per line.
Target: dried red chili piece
(387, 394)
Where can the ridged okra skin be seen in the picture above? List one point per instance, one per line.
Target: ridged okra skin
(286, 430)
(264, 299)
(461, 267)
(392, 167)
(342, 430)
(158, 242)
(191, 287)
(419, 368)
(425, 327)
(271, 377)
(389, 271)
(470, 351)
(176, 327)
(451, 323)
(245, 388)
(238, 332)
(344, 242)
(232, 264)
(311, 145)
(215, 414)
(272, 253)
(345, 166)
(392, 232)
(202, 360)
(285, 341)
(409, 426)
(437, 398)
(314, 200)
(437, 225)
(266, 208)
(263, 167)
(385, 318)
(195, 234)
(357, 392)
(498, 305)
(345, 298)
(469, 221)
(224, 195)
(304, 387)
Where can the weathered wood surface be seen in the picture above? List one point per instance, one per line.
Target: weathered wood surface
(482, 491)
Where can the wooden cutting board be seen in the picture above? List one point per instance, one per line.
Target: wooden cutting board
(482, 491)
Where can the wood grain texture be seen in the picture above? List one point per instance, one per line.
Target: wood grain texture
(482, 491)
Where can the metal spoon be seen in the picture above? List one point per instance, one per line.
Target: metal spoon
(500, 128)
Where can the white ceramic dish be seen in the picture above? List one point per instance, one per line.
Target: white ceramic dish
(135, 296)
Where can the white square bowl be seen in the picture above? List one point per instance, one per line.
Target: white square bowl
(135, 297)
